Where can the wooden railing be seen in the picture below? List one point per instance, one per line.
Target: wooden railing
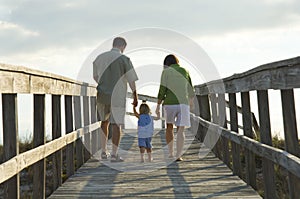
(284, 76)
(81, 127)
(78, 143)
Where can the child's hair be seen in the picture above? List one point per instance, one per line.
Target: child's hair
(144, 108)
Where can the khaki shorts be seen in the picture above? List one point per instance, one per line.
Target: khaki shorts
(178, 114)
(115, 115)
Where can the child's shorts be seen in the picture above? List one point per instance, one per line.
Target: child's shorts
(145, 142)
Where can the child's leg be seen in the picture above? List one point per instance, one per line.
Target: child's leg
(149, 152)
(142, 151)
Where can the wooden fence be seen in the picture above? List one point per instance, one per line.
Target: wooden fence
(80, 124)
(81, 127)
(284, 76)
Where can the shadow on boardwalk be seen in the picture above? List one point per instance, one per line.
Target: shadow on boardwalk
(192, 178)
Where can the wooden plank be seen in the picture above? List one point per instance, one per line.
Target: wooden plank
(192, 178)
(56, 133)
(39, 174)
(247, 128)
(86, 122)
(94, 135)
(78, 125)
(15, 79)
(278, 75)
(266, 138)
(290, 136)
(70, 149)
(222, 122)
(16, 164)
(278, 156)
(10, 142)
(236, 161)
(214, 113)
(204, 113)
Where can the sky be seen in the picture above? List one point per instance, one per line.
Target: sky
(57, 36)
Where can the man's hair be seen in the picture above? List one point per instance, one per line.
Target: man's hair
(119, 42)
(170, 59)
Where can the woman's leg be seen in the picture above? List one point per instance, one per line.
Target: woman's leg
(170, 138)
(180, 141)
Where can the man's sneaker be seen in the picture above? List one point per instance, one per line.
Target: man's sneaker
(105, 155)
(179, 159)
(116, 158)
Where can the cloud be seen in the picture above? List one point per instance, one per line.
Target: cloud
(82, 22)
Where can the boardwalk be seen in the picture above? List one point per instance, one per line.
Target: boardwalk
(193, 178)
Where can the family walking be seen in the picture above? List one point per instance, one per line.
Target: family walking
(112, 71)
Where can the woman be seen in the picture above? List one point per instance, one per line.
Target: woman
(177, 93)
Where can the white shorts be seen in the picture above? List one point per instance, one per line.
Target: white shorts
(178, 114)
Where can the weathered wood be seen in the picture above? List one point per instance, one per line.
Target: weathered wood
(222, 122)
(214, 113)
(278, 156)
(17, 79)
(39, 174)
(86, 122)
(204, 107)
(266, 138)
(78, 124)
(16, 164)
(247, 129)
(192, 178)
(278, 75)
(70, 150)
(236, 161)
(290, 136)
(56, 133)
(10, 141)
(94, 137)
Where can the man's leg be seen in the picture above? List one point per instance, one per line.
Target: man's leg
(103, 135)
(116, 136)
(180, 141)
(170, 138)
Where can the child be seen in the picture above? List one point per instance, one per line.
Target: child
(145, 130)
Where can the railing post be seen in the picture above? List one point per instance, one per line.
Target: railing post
(204, 107)
(56, 133)
(214, 111)
(95, 140)
(86, 122)
(223, 123)
(39, 168)
(78, 125)
(266, 138)
(290, 136)
(236, 152)
(247, 127)
(10, 141)
(70, 165)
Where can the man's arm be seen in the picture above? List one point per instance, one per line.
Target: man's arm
(134, 94)
(135, 112)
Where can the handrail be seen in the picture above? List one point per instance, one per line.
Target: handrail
(283, 75)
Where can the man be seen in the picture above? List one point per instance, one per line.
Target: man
(112, 71)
